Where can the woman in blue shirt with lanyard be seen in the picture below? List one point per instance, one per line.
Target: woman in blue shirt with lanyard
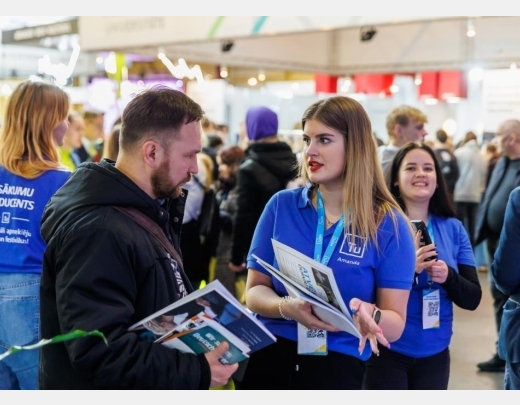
(445, 275)
(346, 219)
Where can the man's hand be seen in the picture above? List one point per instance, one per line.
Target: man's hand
(237, 269)
(220, 373)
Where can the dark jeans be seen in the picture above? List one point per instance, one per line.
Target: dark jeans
(499, 298)
(395, 371)
(467, 214)
(279, 367)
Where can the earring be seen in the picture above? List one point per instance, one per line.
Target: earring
(436, 186)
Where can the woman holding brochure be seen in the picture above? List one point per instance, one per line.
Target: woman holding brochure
(420, 359)
(345, 219)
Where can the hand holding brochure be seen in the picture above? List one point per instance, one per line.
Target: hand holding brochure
(311, 281)
(204, 318)
(201, 334)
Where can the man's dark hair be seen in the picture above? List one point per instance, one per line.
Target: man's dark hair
(157, 113)
(442, 136)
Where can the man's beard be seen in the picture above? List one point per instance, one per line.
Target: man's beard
(162, 186)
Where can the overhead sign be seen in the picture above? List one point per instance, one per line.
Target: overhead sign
(500, 97)
(110, 32)
(30, 34)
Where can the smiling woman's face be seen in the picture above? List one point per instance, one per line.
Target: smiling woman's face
(417, 178)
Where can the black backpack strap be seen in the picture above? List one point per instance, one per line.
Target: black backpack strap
(155, 230)
(197, 180)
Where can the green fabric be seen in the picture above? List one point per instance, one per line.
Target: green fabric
(66, 158)
(56, 339)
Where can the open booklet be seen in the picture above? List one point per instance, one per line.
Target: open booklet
(311, 281)
(209, 316)
(201, 334)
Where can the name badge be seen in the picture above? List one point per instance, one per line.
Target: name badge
(312, 341)
(431, 308)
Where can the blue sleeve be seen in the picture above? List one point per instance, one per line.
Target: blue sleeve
(465, 254)
(505, 269)
(396, 267)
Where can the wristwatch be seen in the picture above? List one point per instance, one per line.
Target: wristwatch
(376, 315)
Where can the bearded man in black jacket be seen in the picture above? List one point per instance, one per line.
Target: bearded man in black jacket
(102, 271)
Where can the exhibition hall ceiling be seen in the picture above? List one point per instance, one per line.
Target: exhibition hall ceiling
(13, 22)
(272, 24)
(336, 45)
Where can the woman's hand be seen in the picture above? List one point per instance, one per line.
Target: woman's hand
(438, 271)
(422, 254)
(362, 315)
(301, 312)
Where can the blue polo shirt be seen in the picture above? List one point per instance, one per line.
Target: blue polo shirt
(454, 247)
(21, 207)
(359, 269)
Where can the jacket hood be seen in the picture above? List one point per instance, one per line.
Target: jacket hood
(261, 122)
(276, 157)
(93, 185)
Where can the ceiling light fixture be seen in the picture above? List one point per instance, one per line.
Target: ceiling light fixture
(59, 71)
(367, 33)
(470, 28)
(226, 45)
(181, 70)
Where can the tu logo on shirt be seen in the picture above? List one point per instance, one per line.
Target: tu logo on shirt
(355, 247)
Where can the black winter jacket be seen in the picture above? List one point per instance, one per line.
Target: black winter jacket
(265, 170)
(102, 271)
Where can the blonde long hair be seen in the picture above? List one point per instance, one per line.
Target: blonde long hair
(27, 145)
(366, 199)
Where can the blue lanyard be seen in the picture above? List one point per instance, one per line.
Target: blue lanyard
(320, 231)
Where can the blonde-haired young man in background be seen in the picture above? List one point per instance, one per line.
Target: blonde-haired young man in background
(403, 124)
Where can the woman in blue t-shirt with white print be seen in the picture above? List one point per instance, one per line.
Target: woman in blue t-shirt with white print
(445, 275)
(30, 173)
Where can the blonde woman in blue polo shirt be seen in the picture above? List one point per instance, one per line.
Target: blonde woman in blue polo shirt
(344, 180)
(420, 359)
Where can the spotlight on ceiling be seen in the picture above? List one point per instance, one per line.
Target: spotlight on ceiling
(226, 45)
(471, 32)
(367, 33)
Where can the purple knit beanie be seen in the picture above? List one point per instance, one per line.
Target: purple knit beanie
(261, 122)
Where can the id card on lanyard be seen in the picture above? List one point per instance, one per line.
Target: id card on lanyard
(431, 297)
(314, 341)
